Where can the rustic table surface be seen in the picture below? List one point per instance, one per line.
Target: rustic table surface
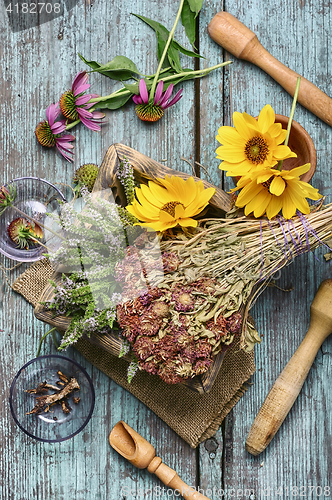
(37, 65)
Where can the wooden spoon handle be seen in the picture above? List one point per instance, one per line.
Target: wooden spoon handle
(171, 479)
(289, 383)
(240, 41)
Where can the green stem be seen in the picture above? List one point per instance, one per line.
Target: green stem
(198, 72)
(72, 124)
(291, 116)
(42, 339)
(124, 91)
(170, 37)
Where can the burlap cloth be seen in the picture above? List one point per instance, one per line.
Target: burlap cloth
(192, 416)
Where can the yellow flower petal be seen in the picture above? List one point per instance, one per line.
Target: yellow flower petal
(282, 152)
(266, 118)
(299, 201)
(274, 206)
(277, 132)
(277, 186)
(159, 193)
(166, 217)
(297, 171)
(251, 122)
(248, 193)
(241, 126)
(150, 198)
(179, 212)
(231, 154)
(228, 135)
(188, 222)
(288, 207)
(200, 202)
(264, 199)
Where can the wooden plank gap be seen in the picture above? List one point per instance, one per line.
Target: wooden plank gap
(223, 455)
(197, 104)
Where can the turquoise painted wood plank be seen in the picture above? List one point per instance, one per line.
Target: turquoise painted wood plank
(299, 454)
(41, 64)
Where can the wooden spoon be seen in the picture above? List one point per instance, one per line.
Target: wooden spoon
(240, 41)
(283, 394)
(139, 452)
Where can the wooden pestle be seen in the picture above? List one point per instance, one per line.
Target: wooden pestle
(139, 452)
(284, 392)
(240, 41)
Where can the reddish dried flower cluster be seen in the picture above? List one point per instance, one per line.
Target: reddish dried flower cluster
(160, 316)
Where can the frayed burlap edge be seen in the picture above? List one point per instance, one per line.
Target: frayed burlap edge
(192, 416)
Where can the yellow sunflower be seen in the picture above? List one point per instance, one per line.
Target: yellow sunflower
(252, 144)
(171, 202)
(270, 191)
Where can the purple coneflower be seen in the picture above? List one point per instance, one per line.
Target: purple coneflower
(75, 105)
(152, 112)
(48, 132)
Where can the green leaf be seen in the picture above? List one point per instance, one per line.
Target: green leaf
(162, 37)
(92, 64)
(185, 51)
(174, 58)
(195, 5)
(134, 87)
(188, 19)
(114, 102)
(120, 68)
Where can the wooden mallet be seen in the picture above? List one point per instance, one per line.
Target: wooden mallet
(285, 390)
(139, 452)
(240, 41)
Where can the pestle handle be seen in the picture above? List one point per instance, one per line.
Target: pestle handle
(170, 478)
(284, 392)
(241, 42)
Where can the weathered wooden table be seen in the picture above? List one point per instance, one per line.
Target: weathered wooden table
(37, 65)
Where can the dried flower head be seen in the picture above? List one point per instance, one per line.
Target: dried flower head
(48, 132)
(75, 105)
(24, 233)
(7, 196)
(153, 111)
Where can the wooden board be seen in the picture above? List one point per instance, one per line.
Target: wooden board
(37, 65)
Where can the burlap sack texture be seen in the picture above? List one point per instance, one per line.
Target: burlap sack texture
(192, 416)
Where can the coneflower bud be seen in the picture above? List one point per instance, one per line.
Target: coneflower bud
(86, 175)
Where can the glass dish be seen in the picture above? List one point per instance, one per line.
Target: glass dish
(35, 197)
(54, 425)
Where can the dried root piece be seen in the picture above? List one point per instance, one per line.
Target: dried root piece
(47, 400)
(63, 377)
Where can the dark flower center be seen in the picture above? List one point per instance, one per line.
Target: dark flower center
(45, 135)
(68, 106)
(149, 112)
(268, 183)
(170, 207)
(256, 150)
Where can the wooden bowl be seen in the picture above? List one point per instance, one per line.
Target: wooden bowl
(145, 169)
(301, 143)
